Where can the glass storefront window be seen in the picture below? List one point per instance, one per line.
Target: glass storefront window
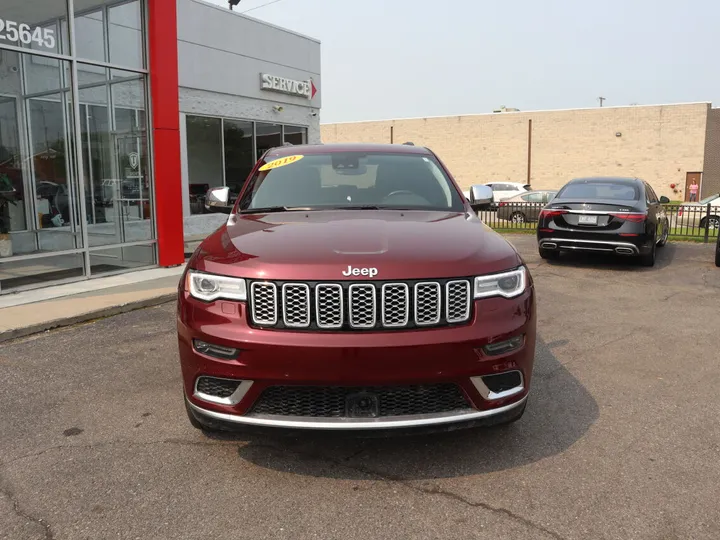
(90, 36)
(238, 153)
(49, 136)
(268, 136)
(32, 25)
(295, 134)
(205, 158)
(220, 152)
(110, 32)
(125, 35)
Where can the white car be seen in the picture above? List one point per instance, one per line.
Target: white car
(506, 190)
(503, 190)
(695, 214)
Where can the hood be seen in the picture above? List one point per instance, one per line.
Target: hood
(321, 245)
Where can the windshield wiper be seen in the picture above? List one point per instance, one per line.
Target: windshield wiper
(271, 209)
(356, 207)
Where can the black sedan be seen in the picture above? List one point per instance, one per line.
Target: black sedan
(604, 215)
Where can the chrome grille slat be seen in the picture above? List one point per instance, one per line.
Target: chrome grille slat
(296, 305)
(264, 303)
(457, 301)
(395, 305)
(329, 305)
(427, 303)
(362, 306)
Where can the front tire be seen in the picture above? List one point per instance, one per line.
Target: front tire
(518, 217)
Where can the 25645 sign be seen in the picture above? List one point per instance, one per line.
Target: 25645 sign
(23, 33)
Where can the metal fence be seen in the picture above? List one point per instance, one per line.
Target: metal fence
(687, 221)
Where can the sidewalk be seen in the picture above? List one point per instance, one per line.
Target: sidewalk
(30, 312)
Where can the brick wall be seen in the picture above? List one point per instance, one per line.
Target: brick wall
(711, 172)
(658, 143)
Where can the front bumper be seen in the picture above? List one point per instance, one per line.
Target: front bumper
(271, 358)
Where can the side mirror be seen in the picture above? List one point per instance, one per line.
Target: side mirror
(216, 199)
(664, 200)
(481, 197)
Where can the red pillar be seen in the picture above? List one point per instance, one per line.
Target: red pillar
(163, 66)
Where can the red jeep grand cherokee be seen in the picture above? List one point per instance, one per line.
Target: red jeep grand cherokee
(353, 288)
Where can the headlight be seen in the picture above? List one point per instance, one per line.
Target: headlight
(209, 287)
(507, 284)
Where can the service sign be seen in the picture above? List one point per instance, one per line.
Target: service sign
(273, 83)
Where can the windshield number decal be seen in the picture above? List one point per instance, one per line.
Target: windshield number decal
(274, 164)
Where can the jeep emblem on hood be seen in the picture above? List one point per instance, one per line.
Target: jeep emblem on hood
(371, 272)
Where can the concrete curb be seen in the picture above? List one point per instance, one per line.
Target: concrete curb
(102, 313)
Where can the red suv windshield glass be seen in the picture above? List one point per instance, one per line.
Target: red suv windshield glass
(351, 180)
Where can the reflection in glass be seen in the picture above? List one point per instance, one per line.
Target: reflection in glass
(268, 136)
(295, 134)
(14, 274)
(205, 158)
(121, 258)
(238, 154)
(12, 192)
(43, 74)
(36, 23)
(126, 42)
(55, 190)
(89, 36)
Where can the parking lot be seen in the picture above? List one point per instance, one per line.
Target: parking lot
(621, 439)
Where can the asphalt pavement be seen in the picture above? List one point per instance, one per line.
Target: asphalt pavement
(620, 440)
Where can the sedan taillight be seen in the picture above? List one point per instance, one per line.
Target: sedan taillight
(632, 218)
(551, 213)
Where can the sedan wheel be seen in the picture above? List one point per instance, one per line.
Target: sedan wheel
(518, 217)
(712, 223)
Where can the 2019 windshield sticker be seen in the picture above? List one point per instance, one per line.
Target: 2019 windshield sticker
(274, 164)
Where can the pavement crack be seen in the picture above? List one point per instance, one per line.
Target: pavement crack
(7, 492)
(407, 483)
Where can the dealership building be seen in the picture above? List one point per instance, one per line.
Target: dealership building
(117, 116)
(669, 146)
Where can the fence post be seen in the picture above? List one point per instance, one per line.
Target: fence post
(707, 223)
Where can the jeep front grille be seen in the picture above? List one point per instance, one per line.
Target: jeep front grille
(368, 305)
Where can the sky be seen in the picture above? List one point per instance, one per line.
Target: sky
(385, 59)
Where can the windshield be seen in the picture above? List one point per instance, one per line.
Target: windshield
(709, 199)
(351, 180)
(600, 190)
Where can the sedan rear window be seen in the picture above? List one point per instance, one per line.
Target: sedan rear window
(600, 190)
(352, 180)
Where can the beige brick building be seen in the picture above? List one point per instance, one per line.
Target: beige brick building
(663, 144)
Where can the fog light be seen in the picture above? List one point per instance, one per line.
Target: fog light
(503, 347)
(218, 351)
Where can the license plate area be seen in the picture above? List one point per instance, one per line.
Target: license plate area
(587, 220)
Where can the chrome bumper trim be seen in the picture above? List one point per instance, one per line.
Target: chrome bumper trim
(602, 245)
(389, 422)
(232, 399)
(489, 395)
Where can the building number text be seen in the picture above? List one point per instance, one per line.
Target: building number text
(12, 31)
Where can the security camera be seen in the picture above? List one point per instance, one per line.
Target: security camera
(278, 108)
(313, 113)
